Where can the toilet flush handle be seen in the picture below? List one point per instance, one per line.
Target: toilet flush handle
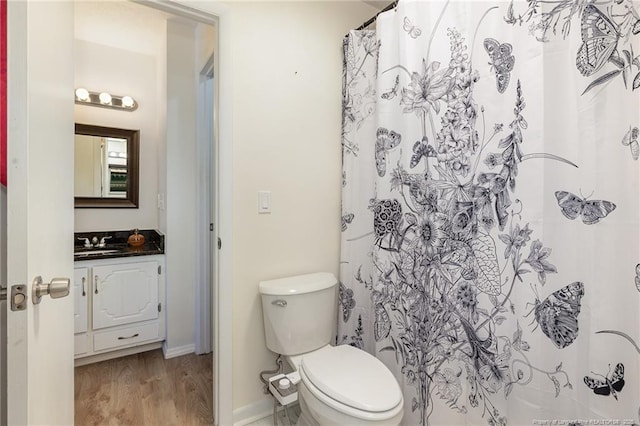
(280, 302)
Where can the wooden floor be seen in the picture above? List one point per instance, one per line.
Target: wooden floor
(145, 389)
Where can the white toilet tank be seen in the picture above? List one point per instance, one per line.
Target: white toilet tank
(299, 312)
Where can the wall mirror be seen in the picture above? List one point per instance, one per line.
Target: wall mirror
(106, 167)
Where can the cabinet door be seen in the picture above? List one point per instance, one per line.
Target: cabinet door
(124, 294)
(80, 288)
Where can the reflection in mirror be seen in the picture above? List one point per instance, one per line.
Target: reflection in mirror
(106, 167)
(100, 166)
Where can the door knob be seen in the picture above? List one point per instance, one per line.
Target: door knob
(58, 287)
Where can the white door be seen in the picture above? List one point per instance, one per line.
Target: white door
(40, 209)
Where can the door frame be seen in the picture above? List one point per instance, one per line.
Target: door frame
(218, 15)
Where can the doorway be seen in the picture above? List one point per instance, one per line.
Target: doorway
(183, 162)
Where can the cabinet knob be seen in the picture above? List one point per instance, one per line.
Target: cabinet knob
(95, 282)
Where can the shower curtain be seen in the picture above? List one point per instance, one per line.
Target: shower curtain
(490, 252)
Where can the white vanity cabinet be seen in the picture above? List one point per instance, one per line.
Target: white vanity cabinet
(124, 294)
(119, 305)
(80, 309)
(80, 282)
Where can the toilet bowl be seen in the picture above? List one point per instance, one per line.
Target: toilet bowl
(340, 385)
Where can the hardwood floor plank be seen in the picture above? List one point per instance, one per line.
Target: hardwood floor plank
(145, 389)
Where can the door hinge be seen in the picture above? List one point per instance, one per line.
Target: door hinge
(159, 307)
(211, 227)
(159, 269)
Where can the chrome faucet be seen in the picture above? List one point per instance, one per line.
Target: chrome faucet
(94, 241)
(87, 244)
(103, 241)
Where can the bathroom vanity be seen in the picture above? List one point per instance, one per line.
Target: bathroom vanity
(119, 295)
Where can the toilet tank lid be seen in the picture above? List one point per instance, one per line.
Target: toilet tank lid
(298, 284)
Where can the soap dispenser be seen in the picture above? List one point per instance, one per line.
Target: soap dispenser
(136, 239)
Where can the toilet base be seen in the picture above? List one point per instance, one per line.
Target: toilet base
(304, 419)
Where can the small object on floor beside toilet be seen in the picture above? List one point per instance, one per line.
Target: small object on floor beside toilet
(283, 389)
(284, 384)
(294, 377)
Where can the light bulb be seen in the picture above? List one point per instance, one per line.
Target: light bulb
(105, 98)
(82, 94)
(127, 101)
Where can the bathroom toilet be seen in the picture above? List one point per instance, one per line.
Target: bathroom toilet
(340, 385)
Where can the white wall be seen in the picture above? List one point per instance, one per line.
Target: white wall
(120, 48)
(122, 72)
(287, 70)
(205, 42)
(181, 163)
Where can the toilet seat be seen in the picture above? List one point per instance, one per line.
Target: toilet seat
(351, 381)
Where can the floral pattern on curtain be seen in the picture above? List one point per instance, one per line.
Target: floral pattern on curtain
(491, 208)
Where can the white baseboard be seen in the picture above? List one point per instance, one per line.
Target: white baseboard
(116, 354)
(252, 412)
(179, 351)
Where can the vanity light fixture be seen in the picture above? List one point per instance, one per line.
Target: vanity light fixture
(105, 100)
(82, 94)
(128, 102)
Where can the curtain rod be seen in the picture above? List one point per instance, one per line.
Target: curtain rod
(372, 20)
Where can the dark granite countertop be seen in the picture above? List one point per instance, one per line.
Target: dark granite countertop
(117, 246)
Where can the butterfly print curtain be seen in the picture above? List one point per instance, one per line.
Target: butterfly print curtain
(491, 209)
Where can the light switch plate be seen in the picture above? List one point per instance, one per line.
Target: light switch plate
(264, 202)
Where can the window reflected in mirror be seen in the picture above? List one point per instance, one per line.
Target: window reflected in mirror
(106, 167)
(100, 166)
